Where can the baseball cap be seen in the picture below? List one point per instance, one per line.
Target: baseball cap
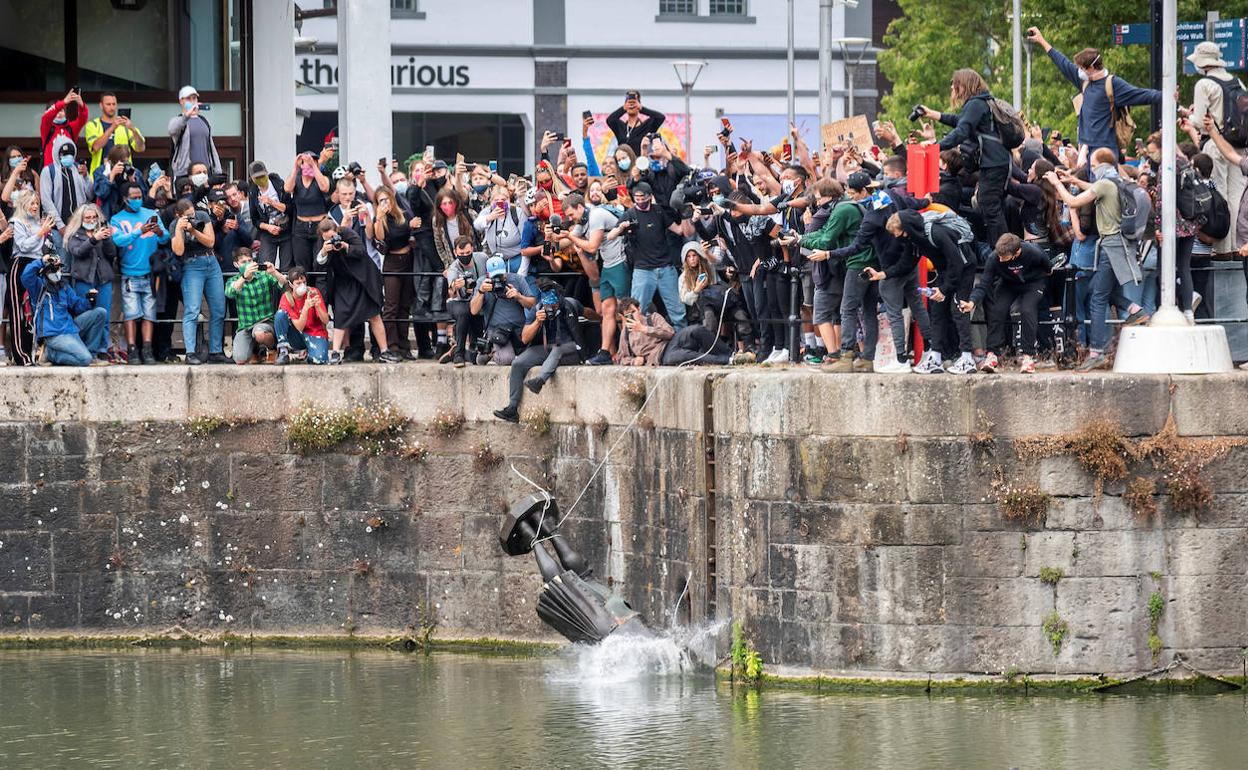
(257, 168)
(216, 196)
(643, 188)
(859, 180)
(632, 95)
(187, 91)
(437, 164)
(495, 266)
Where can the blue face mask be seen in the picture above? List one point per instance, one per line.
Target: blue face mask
(624, 163)
(15, 161)
(480, 188)
(719, 200)
(67, 161)
(59, 121)
(134, 204)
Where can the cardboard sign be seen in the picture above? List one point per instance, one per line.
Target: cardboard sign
(855, 131)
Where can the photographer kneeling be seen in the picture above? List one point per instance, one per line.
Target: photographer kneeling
(502, 298)
(553, 337)
(252, 292)
(65, 323)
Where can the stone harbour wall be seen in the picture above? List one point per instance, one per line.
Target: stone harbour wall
(849, 522)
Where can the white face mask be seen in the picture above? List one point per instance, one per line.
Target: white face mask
(787, 186)
(199, 180)
(55, 277)
(88, 226)
(301, 290)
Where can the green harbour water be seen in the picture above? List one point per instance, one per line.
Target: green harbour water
(608, 708)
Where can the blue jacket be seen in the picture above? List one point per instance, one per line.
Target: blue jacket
(136, 251)
(108, 193)
(1096, 125)
(54, 308)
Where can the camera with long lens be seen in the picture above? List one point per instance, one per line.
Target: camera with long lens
(355, 168)
(335, 241)
(499, 285)
(49, 266)
(470, 285)
(916, 112)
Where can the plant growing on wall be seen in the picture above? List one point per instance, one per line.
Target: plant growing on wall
(746, 662)
(1156, 606)
(1055, 630)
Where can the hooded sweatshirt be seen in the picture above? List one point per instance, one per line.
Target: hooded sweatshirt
(135, 247)
(942, 249)
(61, 189)
(49, 131)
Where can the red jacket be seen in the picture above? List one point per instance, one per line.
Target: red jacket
(49, 130)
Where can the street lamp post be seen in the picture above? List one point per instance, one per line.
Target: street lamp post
(850, 46)
(687, 72)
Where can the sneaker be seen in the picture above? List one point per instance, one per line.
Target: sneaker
(929, 364)
(335, 357)
(148, 356)
(1189, 317)
(482, 359)
(389, 357)
(458, 361)
(100, 359)
(1196, 298)
(742, 357)
(1244, 366)
(218, 358)
(1095, 360)
(283, 355)
(193, 360)
(601, 358)
(864, 365)
(893, 366)
(964, 365)
(132, 356)
(441, 349)
(843, 364)
(534, 384)
(1138, 317)
(408, 355)
(507, 414)
(990, 364)
(1027, 365)
(813, 359)
(778, 356)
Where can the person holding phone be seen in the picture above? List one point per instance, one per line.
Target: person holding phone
(138, 234)
(92, 253)
(192, 137)
(56, 121)
(631, 122)
(112, 128)
(308, 189)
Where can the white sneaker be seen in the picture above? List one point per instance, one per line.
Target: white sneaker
(778, 356)
(1196, 298)
(964, 365)
(929, 364)
(893, 366)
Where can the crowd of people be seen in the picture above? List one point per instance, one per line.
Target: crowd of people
(638, 258)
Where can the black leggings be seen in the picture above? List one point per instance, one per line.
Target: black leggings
(1183, 271)
(1028, 296)
(304, 243)
(20, 343)
(946, 312)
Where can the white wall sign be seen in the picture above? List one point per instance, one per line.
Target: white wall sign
(407, 71)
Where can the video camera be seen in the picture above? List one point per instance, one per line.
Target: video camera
(690, 193)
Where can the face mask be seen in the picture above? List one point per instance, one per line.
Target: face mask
(67, 161)
(59, 121)
(547, 185)
(55, 277)
(15, 161)
(261, 181)
(787, 187)
(188, 104)
(307, 171)
(401, 188)
(301, 290)
(199, 180)
(464, 258)
(438, 184)
(719, 200)
(624, 163)
(642, 206)
(480, 188)
(448, 208)
(657, 165)
(134, 204)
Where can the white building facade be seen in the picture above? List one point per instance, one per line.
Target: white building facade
(486, 78)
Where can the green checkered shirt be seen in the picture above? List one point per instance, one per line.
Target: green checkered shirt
(254, 301)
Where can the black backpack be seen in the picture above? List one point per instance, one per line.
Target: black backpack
(1008, 123)
(1133, 219)
(1194, 198)
(1216, 222)
(1234, 111)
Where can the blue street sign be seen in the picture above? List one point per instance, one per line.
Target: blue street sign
(1230, 34)
(1133, 34)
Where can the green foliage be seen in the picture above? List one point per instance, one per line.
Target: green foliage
(206, 425)
(314, 428)
(1051, 575)
(537, 420)
(1156, 606)
(1055, 630)
(1154, 646)
(933, 38)
(746, 662)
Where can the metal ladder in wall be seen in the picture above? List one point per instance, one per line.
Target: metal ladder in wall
(711, 533)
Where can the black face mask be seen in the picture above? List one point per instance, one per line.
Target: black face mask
(464, 259)
(437, 183)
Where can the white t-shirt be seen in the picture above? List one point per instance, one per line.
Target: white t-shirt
(612, 252)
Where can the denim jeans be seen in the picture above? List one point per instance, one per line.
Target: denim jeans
(1105, 289)
(245, 341)
(76, 349)
(898, 294)
(664, 280)
(201, 277)
(287, 334)
(860, 295)
(103, 300)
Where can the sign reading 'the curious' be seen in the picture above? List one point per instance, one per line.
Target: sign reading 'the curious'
(321, 71)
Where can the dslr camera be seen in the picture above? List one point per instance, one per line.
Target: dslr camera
(916, 112)
(470, 285)
(355, 168)
(51, 264)
(335, 241)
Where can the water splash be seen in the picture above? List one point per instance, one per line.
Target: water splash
(627, 657)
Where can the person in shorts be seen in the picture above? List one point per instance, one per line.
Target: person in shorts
(588, 235)
(137, 232)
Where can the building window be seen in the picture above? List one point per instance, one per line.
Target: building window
(404, 8)
(727, 7)
(678, 7)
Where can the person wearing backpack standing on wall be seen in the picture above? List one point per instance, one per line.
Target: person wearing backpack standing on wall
(1103, 101)
(1115, 261)
(974, 130)
(1238, 158)
(1222, 97)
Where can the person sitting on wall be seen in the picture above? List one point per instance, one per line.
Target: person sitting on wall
(553, 337)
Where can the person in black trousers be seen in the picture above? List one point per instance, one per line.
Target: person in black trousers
(1020, 272)
(974, 131)
(271, 214)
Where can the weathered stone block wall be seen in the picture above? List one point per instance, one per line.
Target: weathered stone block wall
(855, 530)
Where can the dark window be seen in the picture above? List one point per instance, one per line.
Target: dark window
(678, 7)
(727, 7)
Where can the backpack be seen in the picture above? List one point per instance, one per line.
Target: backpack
(1194, 198)
(1124, 124)
(1134, 218)
(1234, 111)
(1009, 125)
(1216, 222)
(950, 220)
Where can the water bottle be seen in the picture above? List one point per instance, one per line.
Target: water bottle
(927, 291)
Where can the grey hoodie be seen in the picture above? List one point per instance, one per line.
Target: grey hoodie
(51, 187)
